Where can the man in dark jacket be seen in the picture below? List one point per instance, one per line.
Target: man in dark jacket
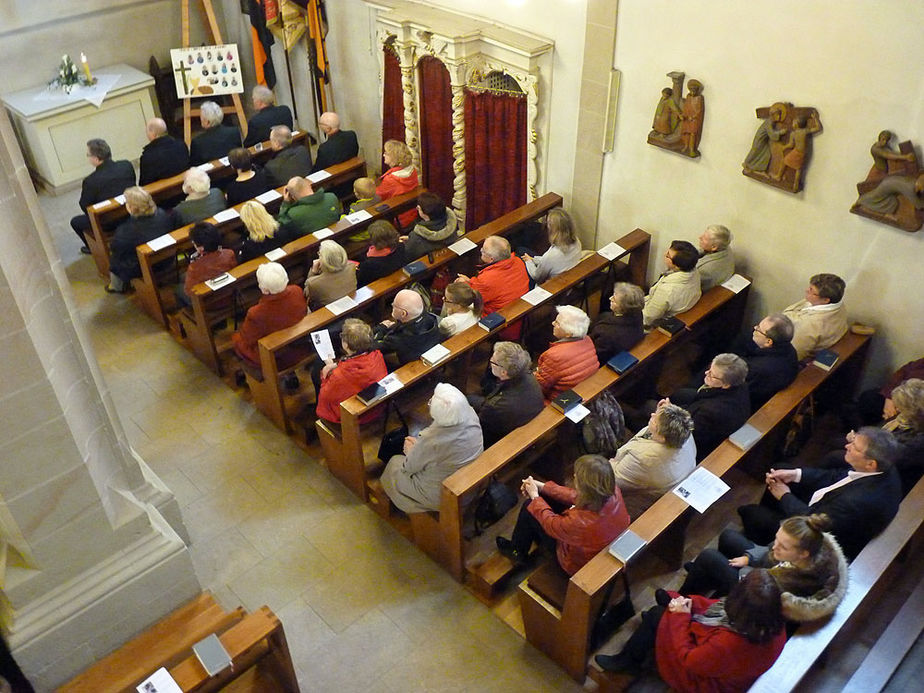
(412, 331)
(267, 115)
(215, 140)
(512, 398)
(163, 156)
(290, 159)
(339, 146)
(860, 499)
(109, 179)
(770, 356)
(721, 406)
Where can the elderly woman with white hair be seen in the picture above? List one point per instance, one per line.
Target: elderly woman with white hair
(413, 480)
(571, 358)
(620, 328)
(202, 200)
(215, 140)
(280, 306)
(716, 262)
(332, 276)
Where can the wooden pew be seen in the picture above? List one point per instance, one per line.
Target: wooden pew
(348, 464)
(149, 286)
(563, 629)
(266, 391)
(210, 306)
(105, 216)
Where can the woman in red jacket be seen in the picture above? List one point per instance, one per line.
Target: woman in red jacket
(401, 177)
(593, 514)
(361, 366)
(709, 645)
(569, 360)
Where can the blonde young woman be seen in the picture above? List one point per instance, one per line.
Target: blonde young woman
(264, 233)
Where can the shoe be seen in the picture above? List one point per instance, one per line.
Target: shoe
(662, 598)
(85, 250)
(290, 383)
(110, 290)
(619, 662)
(505, 546)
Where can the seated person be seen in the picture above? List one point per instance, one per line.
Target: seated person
(364, 192)
(860, 499)
(564, 248)
(216, 140)
(658, 458)
(209, 260)
(331, 276)
(412, 331)
(503, 279)
(163, 156)
(770, 358)
(702, 644)
(305, 210)
(289, 160)
(716, 263)
(875, 406)
(263, 232)
(109, 179)
(384, 256)
(721, 406)
(340, 145)
(621, 329)
(436, 227)
(820, 319)
(202, 200)
(511, 400)
(571, 358)
(360, 366)
(249, 182)
(576, 522)
(280, 306)
(146, 221)
(677, 289)
(267, 114)
(908, 428)
(400, 178)
(413, 481)
(807, 563)
(462, 305)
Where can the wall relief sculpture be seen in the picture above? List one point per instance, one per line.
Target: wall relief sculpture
(893, 192)
(782, 146)
(678, 120)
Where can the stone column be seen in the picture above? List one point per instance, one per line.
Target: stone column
(91, 547)
(408, 60)
(459, 195)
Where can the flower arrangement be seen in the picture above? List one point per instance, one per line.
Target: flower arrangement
(69, 75)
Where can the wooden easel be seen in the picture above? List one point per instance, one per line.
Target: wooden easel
(188, 111)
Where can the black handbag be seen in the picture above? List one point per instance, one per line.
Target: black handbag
(392, 441)
(494, 503)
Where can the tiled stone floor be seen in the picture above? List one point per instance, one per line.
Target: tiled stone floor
(363, 609)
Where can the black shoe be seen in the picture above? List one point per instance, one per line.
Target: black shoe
(662, 598)
(620, 662)
(505, 546)
(85, 250)
(290, 383)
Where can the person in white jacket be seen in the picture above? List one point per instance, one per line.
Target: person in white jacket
(678, 289)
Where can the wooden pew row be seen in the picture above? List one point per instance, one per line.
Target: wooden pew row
(266, 391)
(563, 629)
(209, 306)
(460, 488)
(105, 216)
(150, 285)
(344, 455)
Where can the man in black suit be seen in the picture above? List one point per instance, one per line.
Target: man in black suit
(290, 160)
(163, 156)
(340, 145)
(860, 500)
(267, 115)
(216, 140)
(108, 180)
(770, 356)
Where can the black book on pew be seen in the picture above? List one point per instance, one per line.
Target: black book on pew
(491, 321)
(669, 326)
(368, 395)
(414, 269)
(567, 401)
(622, 362)
(825, 359)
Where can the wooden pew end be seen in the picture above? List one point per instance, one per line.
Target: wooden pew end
(425, 528)
(380, 501)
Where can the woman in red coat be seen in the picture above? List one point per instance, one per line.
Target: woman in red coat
(592, 515)
(361, 366)
(400, 178)
(709, 645)
(569, 360)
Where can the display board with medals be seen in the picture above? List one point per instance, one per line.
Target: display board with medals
(207, 71)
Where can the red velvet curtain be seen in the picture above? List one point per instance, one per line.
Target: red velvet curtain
(495, 155)
(436, 127)
(393, 101)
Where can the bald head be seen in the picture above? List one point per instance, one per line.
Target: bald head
(329, 122)
(156, 127)
(299, 187)
(495, 248)
(407, 306)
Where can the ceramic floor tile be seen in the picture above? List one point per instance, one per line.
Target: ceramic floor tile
(223, 557)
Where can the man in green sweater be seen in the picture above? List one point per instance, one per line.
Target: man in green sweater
(304, 210)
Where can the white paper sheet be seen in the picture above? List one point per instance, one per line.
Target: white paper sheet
(341, 305)
(701, 489)
(736, 283)
(323, 345)
(359, 216)
(274, 254)
(318, 176)
(268, 196)
(224, 161)
(577, 412)
(161, 242)
(462, 246)
(220, 281)
(611, 251)
(100, 205)
(226, 215)
(207, 166)
(159, 682)
(391, 383)
(321, 234)
(120, 199)
(536, 296)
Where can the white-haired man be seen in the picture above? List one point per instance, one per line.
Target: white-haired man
(163, 156)
(215, 140)
(412, 331)
(413, 481)
(503, 280)
(202, 200)
(716, 262)
(339, 146)
(267, 114)
(289, 160)
(571, 358)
